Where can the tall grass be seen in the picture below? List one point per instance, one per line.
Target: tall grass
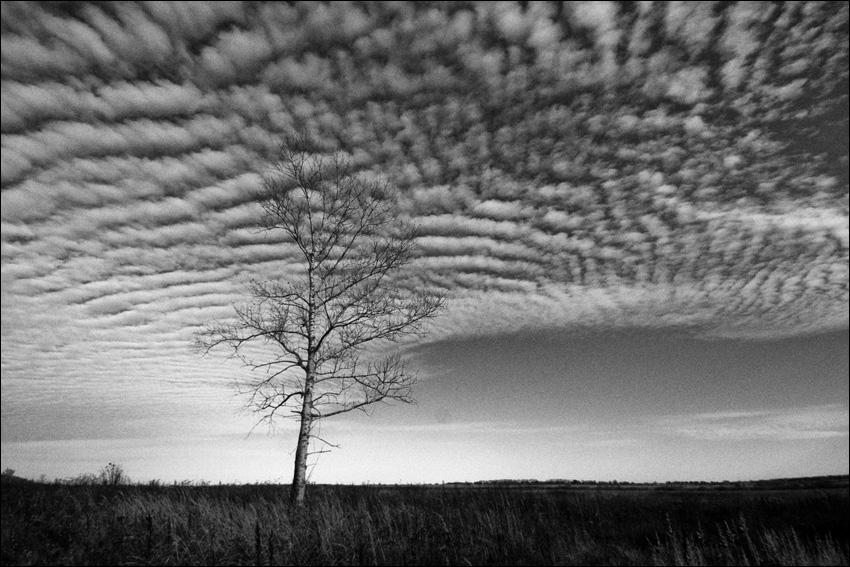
(372, 525)
(735, 544)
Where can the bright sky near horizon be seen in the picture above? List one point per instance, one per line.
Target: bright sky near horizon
(638, 211)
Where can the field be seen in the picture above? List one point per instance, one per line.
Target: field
(792, 522)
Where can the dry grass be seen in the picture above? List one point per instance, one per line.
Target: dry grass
(46, 524)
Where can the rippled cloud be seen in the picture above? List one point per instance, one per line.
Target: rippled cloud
(592, 164)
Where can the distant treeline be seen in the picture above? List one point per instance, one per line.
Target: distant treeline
(114, 475)
(830, 481)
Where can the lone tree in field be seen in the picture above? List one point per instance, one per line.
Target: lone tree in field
(349, 241)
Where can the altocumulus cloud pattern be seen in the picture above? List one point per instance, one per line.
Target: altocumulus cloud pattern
(572, 165)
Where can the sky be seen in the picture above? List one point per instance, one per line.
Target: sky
(638, 212)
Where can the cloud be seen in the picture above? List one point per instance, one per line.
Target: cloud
(593, 166)
(811, 422)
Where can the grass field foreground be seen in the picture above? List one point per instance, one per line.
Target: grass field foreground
(58, 524)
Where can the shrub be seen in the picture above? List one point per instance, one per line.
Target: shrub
(113, 475)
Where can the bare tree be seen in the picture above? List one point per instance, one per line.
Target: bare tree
(350, 242)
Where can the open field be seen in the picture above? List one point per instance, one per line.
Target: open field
(793, 522)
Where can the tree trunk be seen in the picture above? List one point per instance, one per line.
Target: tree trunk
(299, 479)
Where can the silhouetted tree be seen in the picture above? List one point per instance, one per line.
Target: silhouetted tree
(350, 242)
